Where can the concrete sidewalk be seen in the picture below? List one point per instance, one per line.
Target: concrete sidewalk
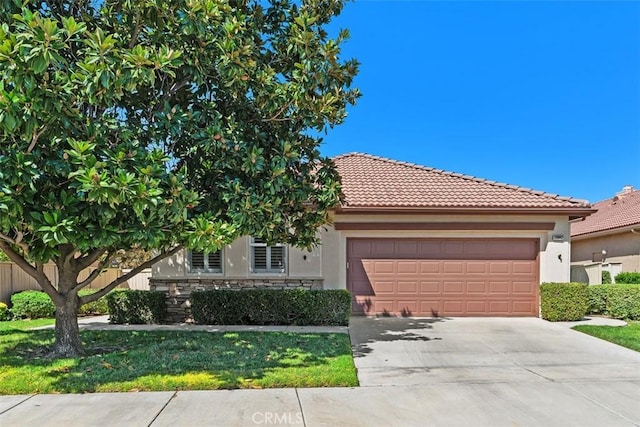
(497, 404)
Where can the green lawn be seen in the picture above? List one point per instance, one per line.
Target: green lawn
(136, 360)
(626, 336)
(23, 325)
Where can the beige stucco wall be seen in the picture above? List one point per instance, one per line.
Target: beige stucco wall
(328, 260)
(301, 264)
(552, 268)
(623, 248)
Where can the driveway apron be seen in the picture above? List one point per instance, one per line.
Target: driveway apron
(519, 361)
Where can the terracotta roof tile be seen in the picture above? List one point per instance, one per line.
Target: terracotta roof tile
(620, 211)
(370, 181)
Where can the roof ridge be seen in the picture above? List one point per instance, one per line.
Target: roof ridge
(466, 177)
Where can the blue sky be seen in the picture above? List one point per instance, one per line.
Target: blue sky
(541, 94)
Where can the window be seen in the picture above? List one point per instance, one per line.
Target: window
(202, 262)
(267, 259)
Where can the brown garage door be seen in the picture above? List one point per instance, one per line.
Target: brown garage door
(443, 277)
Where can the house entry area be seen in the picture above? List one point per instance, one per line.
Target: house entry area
(443, 277)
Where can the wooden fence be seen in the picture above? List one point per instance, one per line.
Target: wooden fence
(13, 279)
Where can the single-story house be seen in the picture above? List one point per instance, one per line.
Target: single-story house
(409, 240)
(608, 240)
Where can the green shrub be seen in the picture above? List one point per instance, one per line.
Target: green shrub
(32, 305)
(623, 302)
(5, 314)
(598, 299)
(606, 277)
(136, 307)
(99, 307)
(628, 277)
(271, 307)
(564, 301)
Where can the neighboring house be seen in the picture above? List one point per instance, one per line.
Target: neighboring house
(409, 240)
(608, 240)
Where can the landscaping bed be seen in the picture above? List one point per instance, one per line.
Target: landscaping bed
(173, 360)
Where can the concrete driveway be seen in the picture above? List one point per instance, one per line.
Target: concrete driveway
(501, 371)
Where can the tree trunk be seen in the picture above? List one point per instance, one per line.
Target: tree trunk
(68, 343)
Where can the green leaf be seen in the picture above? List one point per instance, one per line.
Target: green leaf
(39, 64)
(9, 121)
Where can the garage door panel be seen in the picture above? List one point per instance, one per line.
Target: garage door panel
(453, 306)
(408, 287)
(383, 267)
(362, 288)
(520, 267)
(430, 307)
(524, 288)
(499, 307)
(476, 267)
(476, 308)
(429, 249)
(408, 267)
(430, 287)
(453, 248)
(382, 287)
(452, 267)
(402, 247)
(382, 248)
(496, 287)
(384, 306)
(407, 307)
(452, 287)
(474, 287)
(500, 267)
(430, 267)
(523, 307)
(446, 277)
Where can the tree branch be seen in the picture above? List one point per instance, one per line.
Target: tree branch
(95, 273)
(34, 139)
(17, 241)
(275, 118)
(136, 30)
(37, 271)
(87, 260)
(102, 292)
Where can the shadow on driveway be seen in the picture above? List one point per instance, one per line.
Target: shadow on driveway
(364, 331)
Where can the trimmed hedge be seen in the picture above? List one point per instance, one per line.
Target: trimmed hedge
(271, 307)
(37, 304)
(598, 299)
(99, 307)
(628, 278)
(32, 305)
(564, 301)
(136, 307)
(617, 301)
(5, 313)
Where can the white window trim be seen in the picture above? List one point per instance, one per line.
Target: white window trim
(206, 270)
(268, 270)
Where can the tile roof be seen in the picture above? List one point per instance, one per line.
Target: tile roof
(620, 211)
(369, 181)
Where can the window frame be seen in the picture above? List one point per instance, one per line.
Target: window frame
(206, 269)
(269, 270)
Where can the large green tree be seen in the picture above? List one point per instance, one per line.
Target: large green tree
(159, 125)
